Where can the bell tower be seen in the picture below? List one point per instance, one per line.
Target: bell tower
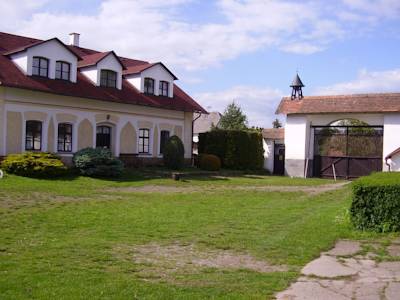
(297, 85)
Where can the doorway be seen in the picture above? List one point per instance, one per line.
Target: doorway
(279, 159)
(103, 137)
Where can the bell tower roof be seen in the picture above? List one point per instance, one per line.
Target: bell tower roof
(297, 82)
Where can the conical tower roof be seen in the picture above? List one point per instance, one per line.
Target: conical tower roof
(297, 82)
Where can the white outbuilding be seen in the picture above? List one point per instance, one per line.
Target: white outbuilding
(344, 136)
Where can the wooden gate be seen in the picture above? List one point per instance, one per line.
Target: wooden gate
(347, 151)
(279, 159)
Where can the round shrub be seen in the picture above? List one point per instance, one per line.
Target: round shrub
(34, 164)
(97, 162)
(210, 162)
(174, 153)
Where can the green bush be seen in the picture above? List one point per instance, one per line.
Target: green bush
(376, 202)
(174, 153)
(34, 164)
(97, 162)
(237, 149)
(209, 162)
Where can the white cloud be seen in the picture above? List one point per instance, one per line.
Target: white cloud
(376, 8)
(381, 81)
(259, 104)
(153, 30)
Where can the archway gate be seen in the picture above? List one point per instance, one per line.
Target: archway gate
(347, 151)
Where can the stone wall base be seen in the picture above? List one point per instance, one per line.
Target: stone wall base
(295, 167)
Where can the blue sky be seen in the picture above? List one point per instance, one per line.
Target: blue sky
(242, 50)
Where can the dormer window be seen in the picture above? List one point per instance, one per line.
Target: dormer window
(164, 87)
(40, 66)
(108, 78)
(63, 70)
(149, 86)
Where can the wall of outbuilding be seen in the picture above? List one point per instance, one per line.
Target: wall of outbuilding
(299, 137)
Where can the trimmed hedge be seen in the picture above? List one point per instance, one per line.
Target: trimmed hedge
(97, 162)
(34, 164)
(376, 202)
(209, 162)
(237, 149)
(174, 152)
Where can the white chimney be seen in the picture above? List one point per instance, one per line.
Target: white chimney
(74, 39)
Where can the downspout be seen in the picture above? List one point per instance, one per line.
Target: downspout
(191, 154)
(386, 162)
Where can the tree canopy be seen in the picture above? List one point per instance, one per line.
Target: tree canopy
(233, 118)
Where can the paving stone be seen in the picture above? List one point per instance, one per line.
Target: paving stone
(371, 291)
(344, 248)
(393, 291)
(327, 266)
(394, 250)
(308, 291)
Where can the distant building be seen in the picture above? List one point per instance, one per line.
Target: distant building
(203, 124)
(274, 150)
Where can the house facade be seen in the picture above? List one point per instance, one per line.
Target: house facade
(274, 150)
(62, 98)
(343, 136)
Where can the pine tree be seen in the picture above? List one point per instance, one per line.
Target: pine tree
(233, 118)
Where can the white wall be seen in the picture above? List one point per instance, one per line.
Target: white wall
(296, 130)
(158, 73)
(391, 139)
(53, 51)
(268, 146)
(135, 80)
(110, 63)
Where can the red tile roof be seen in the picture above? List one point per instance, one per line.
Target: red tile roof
(29, 45)
(359, 103)
(394, 153)
(95, 58)
(141, 67)
(274, 133)
(11, 76)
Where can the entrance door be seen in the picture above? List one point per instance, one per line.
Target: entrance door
(279, 159)
(103, 137)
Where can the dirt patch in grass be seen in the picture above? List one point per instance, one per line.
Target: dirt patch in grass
(167, 262)
(312, 190)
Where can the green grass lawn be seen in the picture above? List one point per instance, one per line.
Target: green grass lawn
(75, 238)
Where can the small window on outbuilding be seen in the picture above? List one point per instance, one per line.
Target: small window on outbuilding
(108, 78)
(40, 66)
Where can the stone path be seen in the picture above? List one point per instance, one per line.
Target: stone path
(343, 273)
(312, 190)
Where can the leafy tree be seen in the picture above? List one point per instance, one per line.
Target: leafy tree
(233, 118)
(276, 123)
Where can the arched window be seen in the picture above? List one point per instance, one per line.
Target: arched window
(64, 141)
(164, 87)
(149, 86)
(108, 78)
(33, 135)
(40, 66)
(63, 70)
(103, 137)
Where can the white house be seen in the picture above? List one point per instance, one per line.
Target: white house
(61, 98)
(274, 150)
(344, 136)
